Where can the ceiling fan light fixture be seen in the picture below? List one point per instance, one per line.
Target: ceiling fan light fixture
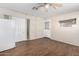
(55, 7)
(47, 6)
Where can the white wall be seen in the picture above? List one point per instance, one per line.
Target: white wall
(12, 13)
(37, 25)
(65, 34)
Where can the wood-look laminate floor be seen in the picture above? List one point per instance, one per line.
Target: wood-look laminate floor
(42, 47)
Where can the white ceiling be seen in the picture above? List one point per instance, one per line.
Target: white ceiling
(26, 8)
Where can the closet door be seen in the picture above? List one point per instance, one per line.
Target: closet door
(20, 29)
(32, 28)
(6, 34)
(39, 28)
(36, 28)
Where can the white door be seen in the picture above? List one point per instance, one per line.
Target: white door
(36, 28)
(6, 34)
(20, 29)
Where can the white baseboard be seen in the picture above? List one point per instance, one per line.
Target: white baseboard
(8, 47)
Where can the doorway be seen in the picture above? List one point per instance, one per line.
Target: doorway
(28, 29)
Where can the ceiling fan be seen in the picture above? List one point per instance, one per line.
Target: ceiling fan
(47, 5)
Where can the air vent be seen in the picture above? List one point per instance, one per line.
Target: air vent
(7, 17)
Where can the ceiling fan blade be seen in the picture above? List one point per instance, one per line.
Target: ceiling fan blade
(39, 6)
(53, 5)
(56, 5)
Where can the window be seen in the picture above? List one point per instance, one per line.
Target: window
(67, 23)
(47, 25)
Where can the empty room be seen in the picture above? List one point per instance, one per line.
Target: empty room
(39, 29)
